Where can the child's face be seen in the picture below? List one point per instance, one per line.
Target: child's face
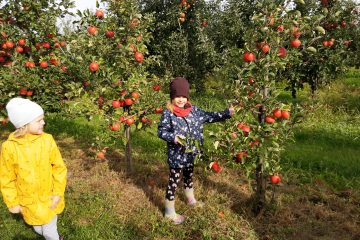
(37, 125)
(180, 101)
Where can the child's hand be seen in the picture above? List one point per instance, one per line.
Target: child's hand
(231, 110)
(179, 140)
(16, 209)
(55, 201)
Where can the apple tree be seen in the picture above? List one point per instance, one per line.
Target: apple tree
(107, 64)
(328, 26)
(30, 43)
(182, 38)
(254, 138)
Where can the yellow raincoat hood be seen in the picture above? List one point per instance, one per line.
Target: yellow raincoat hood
(31, 171)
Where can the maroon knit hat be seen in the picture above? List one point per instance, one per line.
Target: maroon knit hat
(179, 87)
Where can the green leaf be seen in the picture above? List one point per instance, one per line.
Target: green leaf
(311, 49)
(79, 13)
(216, 144)
(320, 29)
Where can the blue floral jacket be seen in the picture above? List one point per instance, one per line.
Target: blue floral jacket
(191, 127)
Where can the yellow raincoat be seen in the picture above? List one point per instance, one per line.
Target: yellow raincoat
(31, 171)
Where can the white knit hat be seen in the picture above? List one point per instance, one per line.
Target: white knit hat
(22, 111)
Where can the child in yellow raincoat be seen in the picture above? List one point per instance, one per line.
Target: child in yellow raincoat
(32, 171)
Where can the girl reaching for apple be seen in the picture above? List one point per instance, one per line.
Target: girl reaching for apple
(181, 126)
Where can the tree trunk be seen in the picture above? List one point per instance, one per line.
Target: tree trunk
(314, 86)
(293, 93)
(260, 197)
(128, 148)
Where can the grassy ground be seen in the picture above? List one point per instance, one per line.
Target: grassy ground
(319, 197)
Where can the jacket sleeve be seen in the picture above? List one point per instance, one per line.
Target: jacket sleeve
(59, 170)
(164, 129)
(8, 178)
(211, 117)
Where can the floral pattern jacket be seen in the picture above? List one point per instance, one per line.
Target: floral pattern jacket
(190, 127)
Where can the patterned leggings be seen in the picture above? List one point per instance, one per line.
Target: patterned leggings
(174, 179)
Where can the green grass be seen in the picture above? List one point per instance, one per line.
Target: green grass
(327, 143)
(321, 183)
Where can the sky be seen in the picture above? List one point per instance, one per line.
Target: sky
(91, 4)
(83, 4)
(79, 5)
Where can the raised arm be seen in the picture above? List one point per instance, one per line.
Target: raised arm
(211, 117)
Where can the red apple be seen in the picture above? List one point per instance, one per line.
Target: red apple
(63, 68)
(158, 110)
(9, 44)
(282, 52)
(92, 30)
(21, 42)
(251, 81)
(265, 48)
(93, 67)
(215, 166)
(46, 45)
(245, 128)
(99, 13)
(115, 127)
(275, 179)
(156, 87)
(29, 93)
(269, 119)
(130, 121)
(144, 120)
(100, 155)
(109, 34)
(285, 114)
(23, 91)
(44, 64)
(128, 102)
(86, 83)
(240, 156)
(139, 57)
(116, 104)
(277, 113)
(295, 43)
(135, 95)
(343, 24)
(29, 64)
(19, 49)
(254, 143)
(249, 57)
